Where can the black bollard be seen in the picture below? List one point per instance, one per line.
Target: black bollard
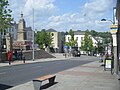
(9, 62)
(23, 59)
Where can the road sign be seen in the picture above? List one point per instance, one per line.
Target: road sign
(65, 47)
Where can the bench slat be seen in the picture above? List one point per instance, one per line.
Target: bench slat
(43, 78)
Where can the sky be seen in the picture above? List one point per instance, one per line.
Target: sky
(63, 15)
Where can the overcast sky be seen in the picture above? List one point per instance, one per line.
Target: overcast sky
(63, 15)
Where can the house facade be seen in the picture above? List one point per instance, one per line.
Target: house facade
(56, 43)
(79, 37)
(8, 36)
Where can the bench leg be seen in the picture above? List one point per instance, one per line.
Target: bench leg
(52, 80)
(37, 84)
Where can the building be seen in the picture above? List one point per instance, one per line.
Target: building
(18, 36)
(8, 36)
(56, 43)
(79, 36)
(115, 30)
(24, 36)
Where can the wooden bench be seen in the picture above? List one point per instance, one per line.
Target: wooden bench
(38, 81)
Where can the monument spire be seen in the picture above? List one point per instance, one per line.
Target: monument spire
(21, 15)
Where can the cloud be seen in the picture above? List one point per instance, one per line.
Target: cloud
(98, 5)
(89, 18)
(42, 10)
(47, 16)
(97, 8)
(42, 7)
(65, 21)
(16, 6)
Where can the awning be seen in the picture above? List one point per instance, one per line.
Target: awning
(22, 43)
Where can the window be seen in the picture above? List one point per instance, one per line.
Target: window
(68, 38)
(52, 34)
(81, 38)
(76, 38)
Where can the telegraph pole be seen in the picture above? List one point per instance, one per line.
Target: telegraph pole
(118, 35)
(33, 38)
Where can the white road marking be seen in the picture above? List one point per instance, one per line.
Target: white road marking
(2, 73)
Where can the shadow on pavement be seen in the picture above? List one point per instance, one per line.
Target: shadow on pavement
(47, 85)
(4, 87)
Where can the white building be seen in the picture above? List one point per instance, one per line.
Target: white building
(79, 36)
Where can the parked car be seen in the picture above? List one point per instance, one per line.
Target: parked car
(76, 53)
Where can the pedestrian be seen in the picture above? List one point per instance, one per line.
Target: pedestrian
(16, 54)
(21, 54)
(106, 55)
(9, 57)
(101, 58)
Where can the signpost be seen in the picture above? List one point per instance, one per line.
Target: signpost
(109, 64)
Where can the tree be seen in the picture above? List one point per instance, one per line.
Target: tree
(43, 38)
(105, 35)
(71, 42)
(71, 32)
(87, 43)
(93, 33)
(107, 38)
(5, 20)
(100, 47)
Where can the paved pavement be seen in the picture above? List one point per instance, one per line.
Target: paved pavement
(57, 55)
(89, 76)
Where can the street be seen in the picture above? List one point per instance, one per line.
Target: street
(18, 74)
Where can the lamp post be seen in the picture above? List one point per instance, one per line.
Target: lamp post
(114, 45)
(111, 39)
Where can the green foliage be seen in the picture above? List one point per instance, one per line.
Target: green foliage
(87, 43)
(93, 33)
(107, 38)
(5, 16)
(71, 42)
(43, 38)
(90, 44)
(105, 35)
(100, 47)
(71, 32)
(5, 19)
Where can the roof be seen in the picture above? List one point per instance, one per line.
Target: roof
(79, 32)
(51, 30)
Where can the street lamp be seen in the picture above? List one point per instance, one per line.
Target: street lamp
(107, 20)
(111, 22)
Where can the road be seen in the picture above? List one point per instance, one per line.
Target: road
(18, 74)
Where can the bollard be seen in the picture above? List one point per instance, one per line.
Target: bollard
(23, 59)
(65, 55)
(9, 62)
